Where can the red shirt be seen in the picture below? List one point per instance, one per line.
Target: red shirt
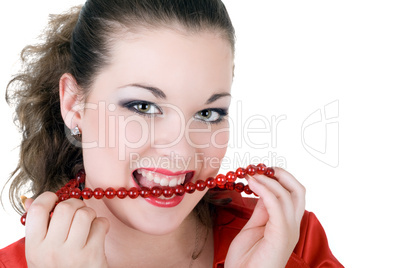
(312, 249)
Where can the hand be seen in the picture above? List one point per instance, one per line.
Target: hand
(272, 232)
(73, 237)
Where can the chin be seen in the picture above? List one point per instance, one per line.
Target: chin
(149, 219)
(161, 225)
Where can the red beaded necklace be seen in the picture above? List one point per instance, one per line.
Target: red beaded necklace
(75, 187)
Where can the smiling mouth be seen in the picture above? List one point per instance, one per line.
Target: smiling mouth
(147, 178)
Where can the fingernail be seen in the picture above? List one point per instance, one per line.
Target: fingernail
(247, 177)
(23, 199)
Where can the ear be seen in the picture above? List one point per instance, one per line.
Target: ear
(70, 102)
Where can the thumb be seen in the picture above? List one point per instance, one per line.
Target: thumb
(26, 202)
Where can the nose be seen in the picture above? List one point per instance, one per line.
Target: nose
(168, 137)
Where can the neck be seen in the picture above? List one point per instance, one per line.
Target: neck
(125, 246)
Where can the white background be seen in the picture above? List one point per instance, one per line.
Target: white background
(292, 58)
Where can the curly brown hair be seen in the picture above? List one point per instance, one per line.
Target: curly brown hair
(78, 42)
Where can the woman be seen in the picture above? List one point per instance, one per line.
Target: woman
(144, 89)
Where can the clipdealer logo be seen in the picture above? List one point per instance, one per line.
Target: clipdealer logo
(320, 134)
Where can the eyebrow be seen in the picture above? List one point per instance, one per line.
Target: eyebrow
(154, 90)
(217, 96)
(160, 94)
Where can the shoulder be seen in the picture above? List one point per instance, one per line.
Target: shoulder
(13, 255)
(312, 250)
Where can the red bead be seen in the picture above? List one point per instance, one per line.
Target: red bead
(211, 183)
(247, 189)
(231, 176)
(71, 184)
(200, 185)
(74, 183)
(64, 190)
(189, 187)
(241, 172)
(23, 218)
(230, 186)
(110, 193)
(145, 192)
(133, 192)
(223, 186)
(251, 170)
(270, 172)
(98, 193)
(156, 191)
(80, 177)
(239, 187)
(261, 168)
(75, 193)
(86, 193)
(179, 190)
(64, 197)
(168, 192)
(121, 192)
(220, 179)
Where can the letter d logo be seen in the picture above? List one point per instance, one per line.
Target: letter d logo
(320, 134)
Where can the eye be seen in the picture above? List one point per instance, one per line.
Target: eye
(211, 115)
(143, 108)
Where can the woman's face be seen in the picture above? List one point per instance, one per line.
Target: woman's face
(155, 116)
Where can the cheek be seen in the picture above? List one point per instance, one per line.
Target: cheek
(90, 126)
(208, 136)
(220, 138)
(133, 131)
(110, 144)
(109, 130)
(211, 155)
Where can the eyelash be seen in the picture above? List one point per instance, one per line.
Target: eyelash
(221, 112)
(130, 105)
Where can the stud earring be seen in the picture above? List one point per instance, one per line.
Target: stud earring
(76, 132)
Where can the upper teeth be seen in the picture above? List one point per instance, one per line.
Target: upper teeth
(162, 179)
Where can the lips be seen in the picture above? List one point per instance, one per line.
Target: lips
(146, 177)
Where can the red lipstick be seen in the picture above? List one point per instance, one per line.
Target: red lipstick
(165, 203)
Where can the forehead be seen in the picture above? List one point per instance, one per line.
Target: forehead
(180, 63)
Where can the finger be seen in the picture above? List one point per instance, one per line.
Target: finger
(63, 214)
(97, 234)
(280, 192)
(80, 227)
(254, 229)
(296, 189)
(273, 207)
(260, 216)
(37, 221)
(26, 202)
